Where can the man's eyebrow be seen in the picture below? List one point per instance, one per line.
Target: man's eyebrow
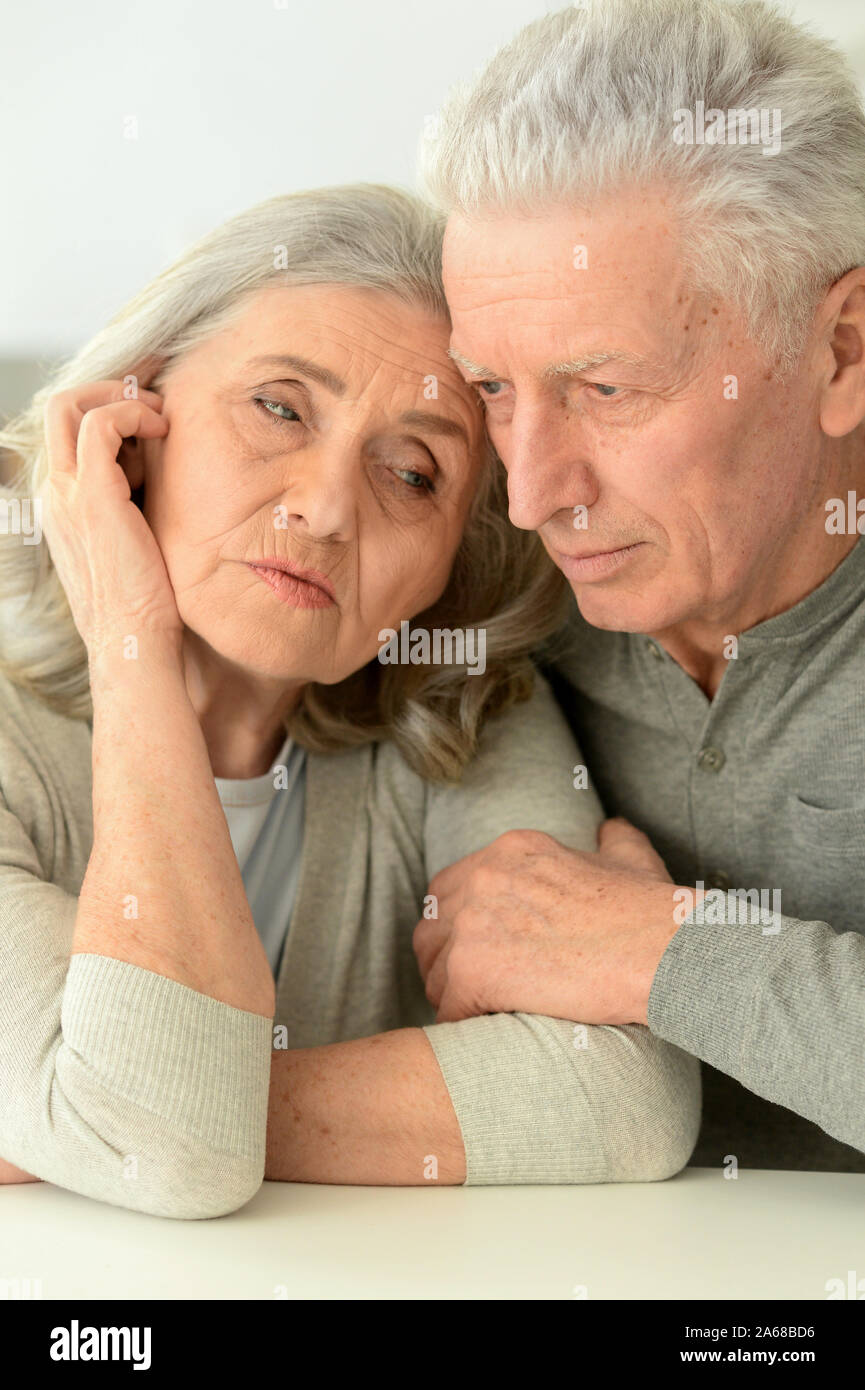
(470, 366)
(326, 378)
(433, 423)
(592, 360)
(554, 369)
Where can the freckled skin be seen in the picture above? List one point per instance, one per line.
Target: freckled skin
(729, 537)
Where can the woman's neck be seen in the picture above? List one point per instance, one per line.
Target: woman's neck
(242, 715)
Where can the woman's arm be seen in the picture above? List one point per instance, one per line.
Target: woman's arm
(10, 1174)
(505, 1098)
(137, 1070)
(163, 888)
(373, 1111)
(540, 1099)
(533, 1107)
(116, 1082)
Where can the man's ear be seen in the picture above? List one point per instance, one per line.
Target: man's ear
(842, 404)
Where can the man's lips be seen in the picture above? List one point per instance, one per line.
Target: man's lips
(308, 576)
(594, 564)
(593, 554)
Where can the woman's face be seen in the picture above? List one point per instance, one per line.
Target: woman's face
(326, 429)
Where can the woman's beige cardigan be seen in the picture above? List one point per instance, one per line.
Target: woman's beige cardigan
(131, 1088)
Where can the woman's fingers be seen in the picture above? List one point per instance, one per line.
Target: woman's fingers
(65, 411)
(105, 554)
(102, 431)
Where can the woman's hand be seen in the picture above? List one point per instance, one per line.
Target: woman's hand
(105, 554)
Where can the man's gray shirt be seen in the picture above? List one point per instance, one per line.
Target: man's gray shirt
(761, 788)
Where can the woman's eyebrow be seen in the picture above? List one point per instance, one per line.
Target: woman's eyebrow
(326, 378)
(433, 423)
(428, 420)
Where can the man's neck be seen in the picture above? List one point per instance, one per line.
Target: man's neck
(703, 648)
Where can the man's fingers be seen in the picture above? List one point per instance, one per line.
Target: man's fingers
(622, 844)
(428, 939)
(451, 878)
(437, 979)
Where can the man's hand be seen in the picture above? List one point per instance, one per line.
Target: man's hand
(528, 925)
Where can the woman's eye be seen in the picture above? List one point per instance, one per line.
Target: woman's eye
(275, 409)
(415, 480)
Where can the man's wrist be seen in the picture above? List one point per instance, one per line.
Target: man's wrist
(665, 918)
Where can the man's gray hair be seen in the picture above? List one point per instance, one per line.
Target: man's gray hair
(622, 92)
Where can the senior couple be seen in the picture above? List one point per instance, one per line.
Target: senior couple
(272, 907)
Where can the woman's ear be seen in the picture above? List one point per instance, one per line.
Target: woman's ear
(131, 459)
(131, 454)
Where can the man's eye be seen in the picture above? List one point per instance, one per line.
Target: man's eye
(414, 480)
(490, 388)
(604, 390)
(275, 408)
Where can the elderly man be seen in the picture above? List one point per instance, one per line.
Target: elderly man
(654, 260)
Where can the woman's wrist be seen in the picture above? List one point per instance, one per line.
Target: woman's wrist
(134, 659)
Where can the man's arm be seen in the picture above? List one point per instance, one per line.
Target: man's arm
(777, 1003)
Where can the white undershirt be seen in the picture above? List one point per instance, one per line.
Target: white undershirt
(265, 818)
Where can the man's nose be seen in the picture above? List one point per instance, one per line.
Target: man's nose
(547, 466)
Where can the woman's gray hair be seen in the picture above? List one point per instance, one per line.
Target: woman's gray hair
(502, 580)
(587, 100)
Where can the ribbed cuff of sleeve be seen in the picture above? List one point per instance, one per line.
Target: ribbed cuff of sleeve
(707, 985)
(504, 1074)
(178, 1053)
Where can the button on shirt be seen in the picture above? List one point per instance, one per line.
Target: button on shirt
(265, 818)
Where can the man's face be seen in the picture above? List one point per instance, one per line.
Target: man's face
(682, 452)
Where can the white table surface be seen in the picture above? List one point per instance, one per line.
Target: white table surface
(700, 1235)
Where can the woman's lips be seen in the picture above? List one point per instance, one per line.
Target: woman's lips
(301, 589)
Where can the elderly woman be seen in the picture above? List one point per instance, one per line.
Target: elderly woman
(220, 811)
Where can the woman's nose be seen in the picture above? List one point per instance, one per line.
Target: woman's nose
(321, 491)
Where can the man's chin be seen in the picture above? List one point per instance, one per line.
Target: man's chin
(618, 612)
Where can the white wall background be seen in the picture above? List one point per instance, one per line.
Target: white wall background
(235, 100)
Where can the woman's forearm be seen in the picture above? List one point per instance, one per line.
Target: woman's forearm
(163, 888)
(10, 1174)
(372, 1111)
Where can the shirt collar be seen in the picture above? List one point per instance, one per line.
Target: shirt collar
(830, 601)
